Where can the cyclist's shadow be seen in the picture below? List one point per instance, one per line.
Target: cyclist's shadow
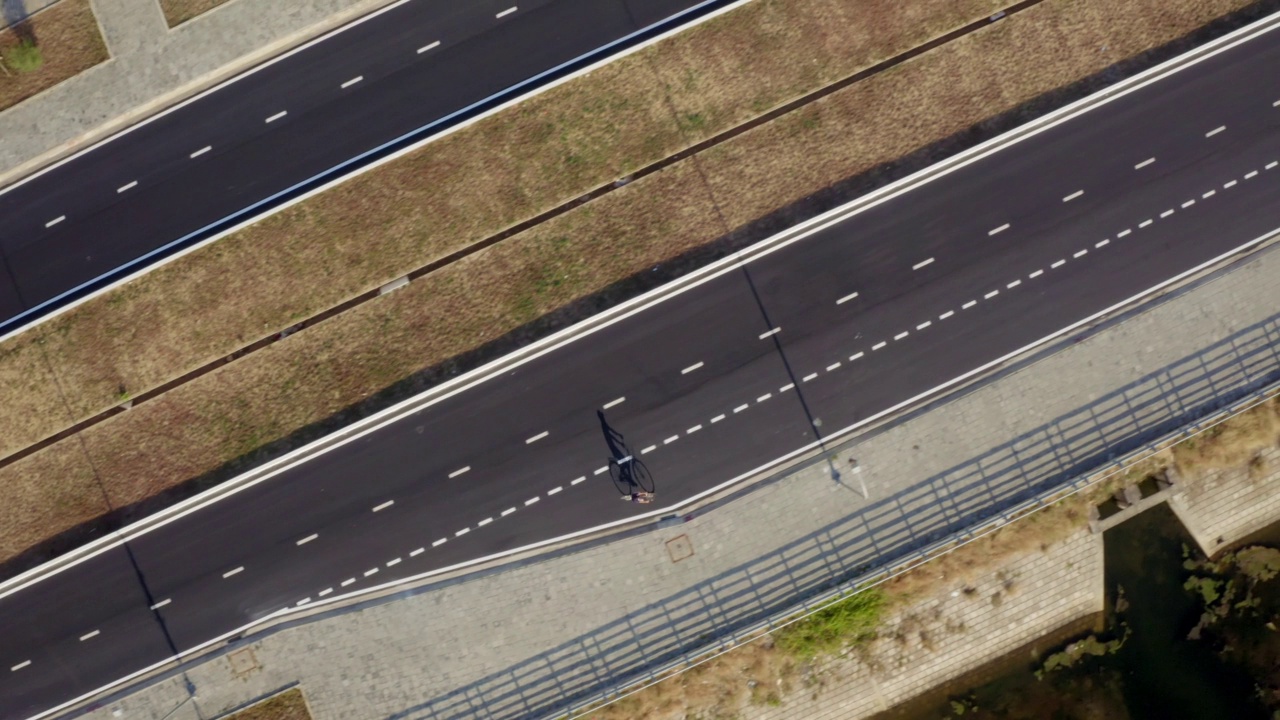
(628, 473)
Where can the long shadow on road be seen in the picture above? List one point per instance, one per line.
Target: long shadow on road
(877, 535)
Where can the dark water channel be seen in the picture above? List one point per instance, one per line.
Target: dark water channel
(1156, 674)
(1164, 675)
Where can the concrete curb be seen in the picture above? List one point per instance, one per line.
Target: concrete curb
(658, 295)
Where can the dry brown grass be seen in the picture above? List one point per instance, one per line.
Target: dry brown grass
(69, 40)
(177, 12)
(144, 334)
(1233, 443)
(288, 705)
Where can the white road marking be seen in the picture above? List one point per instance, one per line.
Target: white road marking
(412, 553)
(508, 511)
(1166, 213)
(352, 81)
(90, 636)
(740, 408)
(1123, 232)
(1145, 223)
(384, 506)
(808, 377)
(991, 294)
(1209, 194)
(19, 666)
(1013, 284)
(879, 345)
(326, 591)
(1102, 243)
(537, 437)
(965, 306)
(846, 298)
(717, 418)
(575, 481)
(614, 403)
(55, 221)
(766, 396)
(201, 151)
(462, 532)
(774, 331)
(1215, 131)
(852, 357)
(277, 116)
(789, 386)
(552, 491)
(229, 573)
(691, 368)
(1144, 163)
(506, 12)
(1080, 254)
(601, 470)
(1227, 186)
(439, 542)
(924, 324)
(484, 522)
(1035, 275)
(1073, 196)
(901, 335)
(1058, 264)
(995, 231)
(303, 601)
(459, 471)
(368, 573)
(348, 581)
(648, 450)
(1188, 203)
(946, 314)
(1249, 175)
(1276, 104)
(833, 366)
(923, 263)
(393, 562)
(693, 429)
(162, 603)
(671, 439)
(1272, 164)
(531, 501)
(307, 539)
(432, 46)
(134, 184)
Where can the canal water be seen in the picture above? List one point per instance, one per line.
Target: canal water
(1156, 674)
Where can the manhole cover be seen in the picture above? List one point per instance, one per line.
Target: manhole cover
(679, 548)
(243, 661)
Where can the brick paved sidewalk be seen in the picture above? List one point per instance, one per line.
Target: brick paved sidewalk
(522, 642)
(153, 66)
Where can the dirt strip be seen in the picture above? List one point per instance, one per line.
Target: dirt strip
(563, 269)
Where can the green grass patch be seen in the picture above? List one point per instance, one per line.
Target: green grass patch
(24, 57)
(849, 622)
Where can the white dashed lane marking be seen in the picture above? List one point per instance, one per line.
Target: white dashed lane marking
(614, 403)
(55, 221)
(307, 539)
(718, 418)
(370, 573)
(530, 501)
(991, 294)
(846, 298)
(127, 186)
(277, 116)
(1144, 163)
(901, 335)
(1035, 275)
(1250, 175)
(771, 333)
(1229, 185)
(946, 314)
(924, 325)
(965, 306)
(1124, 232)
(1166, 213)
(507, 12)
(90, 636)
(1208, 195)
(808, 377)
(577, 480)
(19, 666)
(537, 437)
(691, 368)
(352, 81)
(508, 511)
(879, 345)
(1215, 131)
(459, 471)
(462, 532)
(161, 604)
(229, 573)
(201, 151)
(1145, 223)
(922, 263)
(432, 46)
(348, 581)
(1073, 196)
(996, 231)
(1080, 254)
(439, 542)
(384, 506)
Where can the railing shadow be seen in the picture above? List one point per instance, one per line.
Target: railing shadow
(877, 535)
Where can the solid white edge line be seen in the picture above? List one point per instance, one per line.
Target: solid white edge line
(624, 310)
(654, 514)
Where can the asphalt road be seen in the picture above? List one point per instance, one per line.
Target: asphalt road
(156, 189)
(942, 287)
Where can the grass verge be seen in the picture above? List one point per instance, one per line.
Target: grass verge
(177, 12)
(47, 48)
(288, 705)
(549, 275)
